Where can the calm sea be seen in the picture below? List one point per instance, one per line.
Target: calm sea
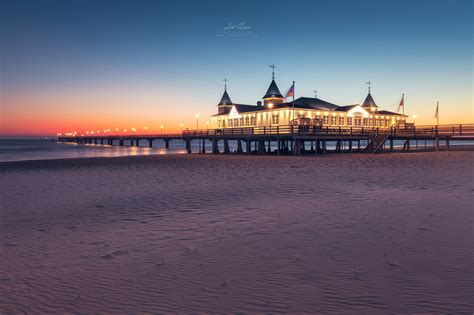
(20, 150)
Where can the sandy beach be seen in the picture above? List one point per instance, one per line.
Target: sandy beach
(347, 233)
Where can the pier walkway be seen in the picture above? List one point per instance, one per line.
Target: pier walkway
(295, 140)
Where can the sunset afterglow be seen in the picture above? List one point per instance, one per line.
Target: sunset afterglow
(83, 72)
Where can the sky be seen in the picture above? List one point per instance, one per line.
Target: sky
(77, 65)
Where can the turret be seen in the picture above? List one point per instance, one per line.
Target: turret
(226, 102)
(369, 103)
(273, 94)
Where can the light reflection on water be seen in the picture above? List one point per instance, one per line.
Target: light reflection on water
(18, 150)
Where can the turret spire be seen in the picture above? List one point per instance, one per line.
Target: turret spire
(273, 71)
(225, 100)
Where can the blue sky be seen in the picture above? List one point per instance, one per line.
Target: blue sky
(165, 59)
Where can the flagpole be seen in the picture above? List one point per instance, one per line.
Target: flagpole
(293, 107)
(437, 113)
(403, 96)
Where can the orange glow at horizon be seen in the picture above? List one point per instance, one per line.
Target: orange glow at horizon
(46, 114)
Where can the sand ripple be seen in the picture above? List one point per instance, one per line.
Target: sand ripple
(334, 234)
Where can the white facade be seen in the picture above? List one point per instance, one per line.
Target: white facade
(355, 117)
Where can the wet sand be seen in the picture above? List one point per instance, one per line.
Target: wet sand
(389, 233)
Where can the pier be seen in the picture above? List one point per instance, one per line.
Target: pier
(296, 140)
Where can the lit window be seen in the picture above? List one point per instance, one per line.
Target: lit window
(252, 121)
(275, 119)
(358, 121)
(247, 121)
(341, 120)
(349, 121)
(366, 121)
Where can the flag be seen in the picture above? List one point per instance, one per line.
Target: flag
(402, 103)
(437, 110)
(291, 91)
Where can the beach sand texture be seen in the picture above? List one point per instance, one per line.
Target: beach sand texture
(335, 234)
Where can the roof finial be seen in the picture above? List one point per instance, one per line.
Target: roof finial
(225, 84)
(369, 83)
(315, 93)
(273, 71)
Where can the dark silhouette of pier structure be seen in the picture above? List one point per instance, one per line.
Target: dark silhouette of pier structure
(297, 140)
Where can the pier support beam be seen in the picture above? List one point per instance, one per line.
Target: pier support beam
(248, 146)
(226, 146)
(203, 148)
(324, 148)
(391, 145)
(239, 147)
(167, 144)
(447, 144)
(188, 146)
(215, 147)
(261, 147)
(150, 143)
(350, 146)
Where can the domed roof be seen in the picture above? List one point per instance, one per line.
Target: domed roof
(273, 91)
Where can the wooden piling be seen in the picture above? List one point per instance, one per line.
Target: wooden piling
(261, 147)
(188, 146)
(215, 147)
(226, 146)
(239, 147)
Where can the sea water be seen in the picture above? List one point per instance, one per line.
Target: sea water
(22, 149)
(41, 149)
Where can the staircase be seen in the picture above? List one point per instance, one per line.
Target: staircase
(376, 143)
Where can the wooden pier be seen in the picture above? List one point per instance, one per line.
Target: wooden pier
(296, 140)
